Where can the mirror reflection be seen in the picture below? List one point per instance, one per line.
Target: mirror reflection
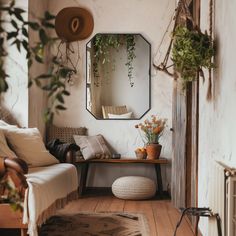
(118, 76)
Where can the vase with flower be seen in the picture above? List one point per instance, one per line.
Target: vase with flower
(151, 131)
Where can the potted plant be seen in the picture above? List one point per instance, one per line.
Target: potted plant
(192, 51)
(151, 131)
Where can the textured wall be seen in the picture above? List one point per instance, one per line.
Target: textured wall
(150, 18)
(15, 101)
(217, 132)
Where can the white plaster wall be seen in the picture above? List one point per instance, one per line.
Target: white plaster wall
(38, 98)
(217, 128)
(15, 101)
(150, 18)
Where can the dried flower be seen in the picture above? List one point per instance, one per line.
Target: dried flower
(152, 129)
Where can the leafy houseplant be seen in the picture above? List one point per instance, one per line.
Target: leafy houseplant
(152, 130)
(192, 51)
(14, 32)
(103, 44)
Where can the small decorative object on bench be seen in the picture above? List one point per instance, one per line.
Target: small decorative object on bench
(141, 153)
(134, 188)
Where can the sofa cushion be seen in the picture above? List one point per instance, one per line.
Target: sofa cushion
(92, 146)
(28, 145)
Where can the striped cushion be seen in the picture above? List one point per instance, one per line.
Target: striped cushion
(92, 146)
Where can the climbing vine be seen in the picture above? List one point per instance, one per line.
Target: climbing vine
(14, 32)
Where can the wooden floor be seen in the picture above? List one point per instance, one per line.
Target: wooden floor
(161, 215)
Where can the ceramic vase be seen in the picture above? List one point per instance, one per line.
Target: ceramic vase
(153, 151)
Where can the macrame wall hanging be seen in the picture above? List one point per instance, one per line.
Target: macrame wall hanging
(189, 51)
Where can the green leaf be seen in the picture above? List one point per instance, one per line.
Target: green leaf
(60, 98)
(18, 44)
(18, 16)
(43, 36)
(47, 87)
(66, 93)
(12, 3)
(25, 45)
(14, 24)
(19, 10)
(30, 62)
(48, 16)
(38, 59)
(33, 25)
(65, 72)
(12, 35)
(60, 107)
(25, 32)
(30, 83)
(48, 25)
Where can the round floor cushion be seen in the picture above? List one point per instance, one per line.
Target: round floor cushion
(134, 188)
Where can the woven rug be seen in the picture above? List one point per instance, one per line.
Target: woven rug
(96, 224)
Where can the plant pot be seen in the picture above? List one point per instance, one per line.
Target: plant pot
(153, 151)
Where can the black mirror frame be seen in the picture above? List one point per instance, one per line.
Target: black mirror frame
(150, 51)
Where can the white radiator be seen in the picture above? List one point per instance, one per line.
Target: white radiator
(217, 197)
(231, 204)
(223, 199)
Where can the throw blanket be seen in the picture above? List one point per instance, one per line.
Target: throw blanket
(50, 188)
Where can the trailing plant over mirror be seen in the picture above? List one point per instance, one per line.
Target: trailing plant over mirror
(14, 32)
(103, 44)
(192, 51)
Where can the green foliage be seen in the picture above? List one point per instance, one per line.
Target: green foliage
(58, 73)
(192, 51)
(13, 197)
(103, 45)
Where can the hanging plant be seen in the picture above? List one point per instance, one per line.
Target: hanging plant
(103, 45)
(130, 47)
(192, 51)
(17, 35)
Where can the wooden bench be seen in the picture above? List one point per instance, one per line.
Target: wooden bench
(85, 167)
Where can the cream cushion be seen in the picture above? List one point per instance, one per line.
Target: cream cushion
(28, 146)
(121, 116)
(5, 151)
(92, 146)
(134, 188)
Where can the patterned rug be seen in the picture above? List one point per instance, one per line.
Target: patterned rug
(96, 224)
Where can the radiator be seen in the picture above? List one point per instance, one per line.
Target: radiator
(217, 197)
(222, 199)
(231, 204)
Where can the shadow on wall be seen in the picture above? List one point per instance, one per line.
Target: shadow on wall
(216, 72)
(6, 115)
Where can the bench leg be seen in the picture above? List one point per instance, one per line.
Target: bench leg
(159, 179)
(83, 178)
(23, 232)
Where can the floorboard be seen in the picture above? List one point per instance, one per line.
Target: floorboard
(161, 216)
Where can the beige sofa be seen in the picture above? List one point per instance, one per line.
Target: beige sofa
(44, 189)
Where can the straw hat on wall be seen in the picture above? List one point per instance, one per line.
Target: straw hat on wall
(73, 24)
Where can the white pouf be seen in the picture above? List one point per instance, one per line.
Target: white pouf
(134, 188)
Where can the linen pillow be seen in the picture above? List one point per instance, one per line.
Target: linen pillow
(92, 146)
(5, 151)
(28, 145)
(122, 116)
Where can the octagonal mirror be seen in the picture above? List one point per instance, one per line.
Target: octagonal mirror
(118, 76)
